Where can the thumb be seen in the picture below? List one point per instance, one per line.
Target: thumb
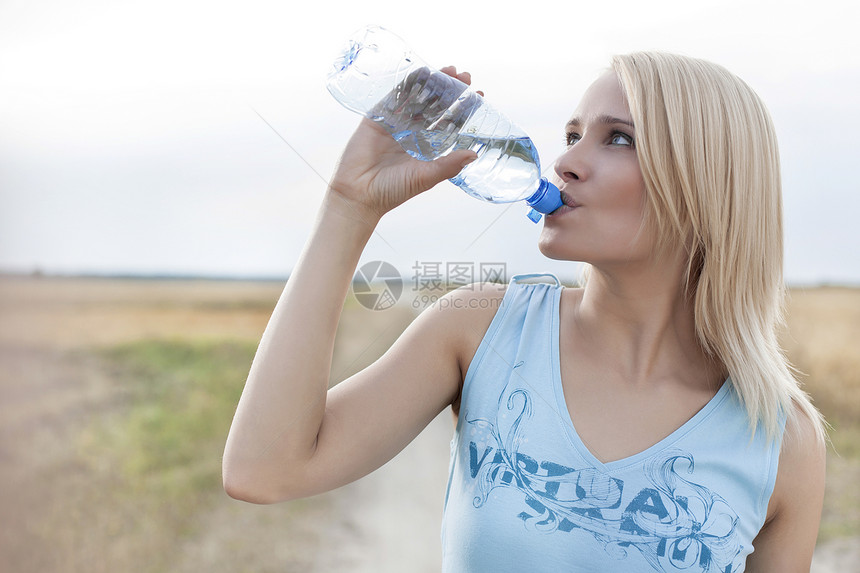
(448, 166)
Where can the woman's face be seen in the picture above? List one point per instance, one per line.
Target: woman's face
(601, 221)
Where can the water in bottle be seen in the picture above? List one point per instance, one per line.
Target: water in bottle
(432, 114)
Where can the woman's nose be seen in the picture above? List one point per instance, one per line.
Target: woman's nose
(571, 165)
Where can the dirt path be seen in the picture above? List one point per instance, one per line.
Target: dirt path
(396, 512)
(57, 512)
(837, 556)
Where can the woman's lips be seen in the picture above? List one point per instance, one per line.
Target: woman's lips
(568, 200)
(568, 204)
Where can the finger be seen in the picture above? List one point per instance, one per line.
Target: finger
(464, 77)
(446, 167)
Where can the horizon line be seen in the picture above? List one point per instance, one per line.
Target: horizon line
(169, 276)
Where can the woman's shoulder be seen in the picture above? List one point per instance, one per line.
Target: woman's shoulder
(802, 452)
(485, 298)
(475, 305)
(462, 317)
(476, 301)
(787, 540)
(801, 467)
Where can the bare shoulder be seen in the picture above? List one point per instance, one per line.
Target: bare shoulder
(477, 300)
(472, 306)
(787, 539)
(802, 459)
(571, 297)
(465, 315)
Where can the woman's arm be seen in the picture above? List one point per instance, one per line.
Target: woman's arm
(787, 540)
(288, 437)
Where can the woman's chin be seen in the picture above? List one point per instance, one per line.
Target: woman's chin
(551, 247)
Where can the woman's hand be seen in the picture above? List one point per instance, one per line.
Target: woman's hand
(375, 174)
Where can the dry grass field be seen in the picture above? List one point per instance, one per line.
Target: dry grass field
(116, 396)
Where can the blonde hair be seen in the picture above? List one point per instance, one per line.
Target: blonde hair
(708, 154)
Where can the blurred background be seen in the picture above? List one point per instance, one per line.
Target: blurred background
(161, 164)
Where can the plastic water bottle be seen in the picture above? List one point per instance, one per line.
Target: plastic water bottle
(432, 114)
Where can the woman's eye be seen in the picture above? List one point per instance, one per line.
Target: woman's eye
(619, 138)
(572, 138)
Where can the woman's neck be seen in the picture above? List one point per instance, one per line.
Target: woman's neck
(645, 318)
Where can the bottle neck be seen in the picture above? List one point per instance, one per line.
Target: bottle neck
(546, 199)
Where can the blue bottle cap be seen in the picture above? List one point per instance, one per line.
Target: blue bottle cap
(533, 215)
(546, 199)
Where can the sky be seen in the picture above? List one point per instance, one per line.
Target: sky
(192, 137)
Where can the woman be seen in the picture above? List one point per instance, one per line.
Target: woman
(645, 422)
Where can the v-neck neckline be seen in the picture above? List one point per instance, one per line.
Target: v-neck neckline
(570, 427)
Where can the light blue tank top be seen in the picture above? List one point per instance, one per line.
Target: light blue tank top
(526, 495)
